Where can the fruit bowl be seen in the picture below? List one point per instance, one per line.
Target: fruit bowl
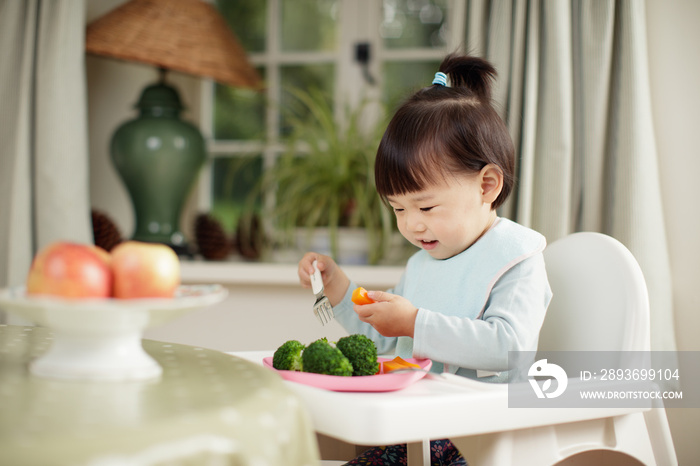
(100, 339)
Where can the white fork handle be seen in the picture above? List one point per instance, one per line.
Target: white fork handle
(316, 280)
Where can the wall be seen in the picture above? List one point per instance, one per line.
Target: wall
(265, 306)
(256, 317)
(675, 66)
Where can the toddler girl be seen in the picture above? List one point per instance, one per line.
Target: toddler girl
(477, 288)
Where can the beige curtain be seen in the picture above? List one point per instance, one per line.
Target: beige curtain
(574, 90)
(44, 191)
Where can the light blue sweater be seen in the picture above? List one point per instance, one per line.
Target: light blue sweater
(473, 307)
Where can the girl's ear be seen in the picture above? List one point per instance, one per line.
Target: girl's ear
(491, 179)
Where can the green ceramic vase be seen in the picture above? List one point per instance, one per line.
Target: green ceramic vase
(158, 156)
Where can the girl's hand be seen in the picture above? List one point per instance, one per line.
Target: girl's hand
(335, 282)
(391, 315)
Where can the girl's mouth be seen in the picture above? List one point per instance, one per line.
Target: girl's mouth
(428, 245)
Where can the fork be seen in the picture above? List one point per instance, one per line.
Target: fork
(322, 307)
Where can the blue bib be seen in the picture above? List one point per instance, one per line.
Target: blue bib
(460, 286)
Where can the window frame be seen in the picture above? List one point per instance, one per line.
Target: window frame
(350, 84)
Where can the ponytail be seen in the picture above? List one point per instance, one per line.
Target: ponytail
(473, 73)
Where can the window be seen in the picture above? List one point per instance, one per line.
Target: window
(349, 49)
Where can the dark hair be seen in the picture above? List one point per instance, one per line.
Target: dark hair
(454, 129)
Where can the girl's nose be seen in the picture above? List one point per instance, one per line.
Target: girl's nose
(414, 223)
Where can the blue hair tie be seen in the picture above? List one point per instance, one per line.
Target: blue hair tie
(440, 78)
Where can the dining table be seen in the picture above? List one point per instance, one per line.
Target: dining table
(206, 408)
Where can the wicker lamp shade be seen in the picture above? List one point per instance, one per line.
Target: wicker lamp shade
(183, 35)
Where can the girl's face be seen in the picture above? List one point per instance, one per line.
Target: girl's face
(446, 218)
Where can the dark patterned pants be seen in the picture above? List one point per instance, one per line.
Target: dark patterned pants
(442, 453)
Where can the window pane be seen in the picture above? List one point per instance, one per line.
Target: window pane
(239, 113)
(402, 78)
(414, 23)
(309, 25)
(302, 78)
(233, 180)
(247, 19)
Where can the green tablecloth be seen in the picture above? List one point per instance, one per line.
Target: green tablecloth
(207, 408)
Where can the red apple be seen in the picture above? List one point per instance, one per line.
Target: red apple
(71, 270)
(144, 270)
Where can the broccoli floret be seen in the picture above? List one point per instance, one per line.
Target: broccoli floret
(361, 352)
(322, 358)
(288, 356)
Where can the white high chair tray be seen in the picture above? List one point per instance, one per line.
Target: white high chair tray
(433, 407)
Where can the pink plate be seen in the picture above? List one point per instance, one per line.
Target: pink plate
(367, 383)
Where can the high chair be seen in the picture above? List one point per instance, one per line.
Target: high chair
(600, 303)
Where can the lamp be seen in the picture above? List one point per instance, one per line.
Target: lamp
(157, 154)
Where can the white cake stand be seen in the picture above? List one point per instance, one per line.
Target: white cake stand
(100, 339)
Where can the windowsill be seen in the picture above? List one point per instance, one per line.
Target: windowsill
(282, 274)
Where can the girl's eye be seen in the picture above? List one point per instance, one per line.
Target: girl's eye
(397, 210)
(426, 209)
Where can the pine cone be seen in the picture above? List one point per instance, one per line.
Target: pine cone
(212, 242)
(250, 240)
(104, 231)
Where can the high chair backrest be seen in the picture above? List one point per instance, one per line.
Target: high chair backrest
(600, 300)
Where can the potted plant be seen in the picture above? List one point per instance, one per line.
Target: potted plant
(325, 178)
